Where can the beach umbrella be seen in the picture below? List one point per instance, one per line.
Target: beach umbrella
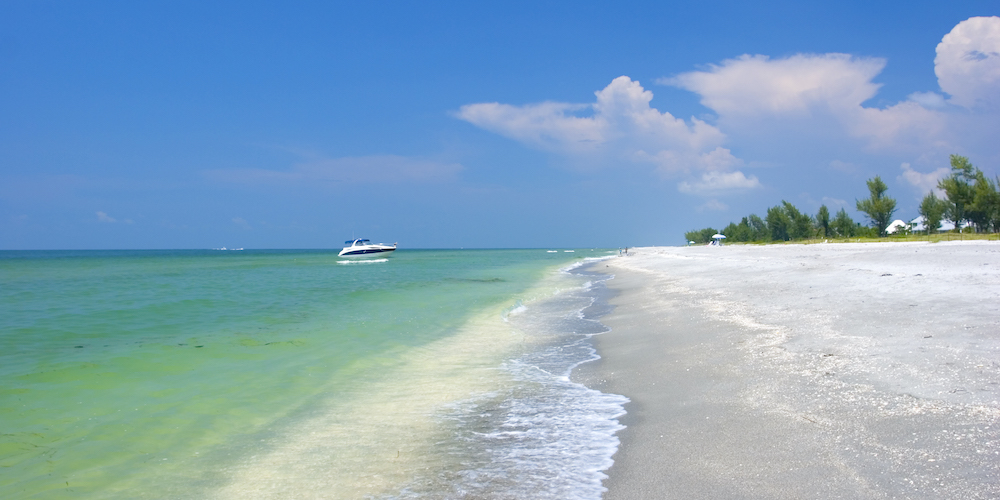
(718, 236)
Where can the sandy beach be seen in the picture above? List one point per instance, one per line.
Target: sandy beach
(805, 371)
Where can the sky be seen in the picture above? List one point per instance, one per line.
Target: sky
(134, 125)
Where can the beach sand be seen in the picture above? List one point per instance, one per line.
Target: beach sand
(805, 371)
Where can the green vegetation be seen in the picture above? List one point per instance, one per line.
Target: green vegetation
(702, 236)
(785, 222)
(843, 226)
(984, 212)
(933, 209)
(957, 189)
(878, 207)
(971, 199)
(823, 221)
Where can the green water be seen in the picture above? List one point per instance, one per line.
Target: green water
(119, 368)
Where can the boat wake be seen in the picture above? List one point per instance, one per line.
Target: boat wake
(368, 261)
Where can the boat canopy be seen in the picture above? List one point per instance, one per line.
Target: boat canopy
(359, 240)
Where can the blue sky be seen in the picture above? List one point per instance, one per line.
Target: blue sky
(465, 124)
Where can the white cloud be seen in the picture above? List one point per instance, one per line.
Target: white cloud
(623, 107)
(549, 125)
(103, 217)
(619, 125)
(930, 100)
(924, 182)
(821, 97)
(795, 86)
(718, 159)
(714, 182)
(669, 161)
(906, 126)
(353, 170)
(968, 63)
(819, 94)
(801, 109)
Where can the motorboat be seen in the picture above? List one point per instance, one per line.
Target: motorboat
(364, 248)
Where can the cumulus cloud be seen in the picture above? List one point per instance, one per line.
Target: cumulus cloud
(669, 161)
(800, 106)
(968, 63)
(930, 100)
(820, 91)
(548, 125)
(825, 94)
(619, 125)
(907, 126)
(354, 170)
(714, 182)
(924, 182)
(796, 86)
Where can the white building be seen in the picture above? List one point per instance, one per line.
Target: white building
(946, 225)
(896, 225)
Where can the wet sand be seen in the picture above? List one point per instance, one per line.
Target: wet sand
(805, 371)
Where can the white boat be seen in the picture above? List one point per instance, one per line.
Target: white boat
(365, 248)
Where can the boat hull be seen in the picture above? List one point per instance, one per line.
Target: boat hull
(366, 252)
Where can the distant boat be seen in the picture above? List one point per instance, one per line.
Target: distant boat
(569, 251)
(364, 248)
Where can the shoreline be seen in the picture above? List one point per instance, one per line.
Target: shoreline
(792, 371)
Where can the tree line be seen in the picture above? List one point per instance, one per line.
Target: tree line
(971, 200)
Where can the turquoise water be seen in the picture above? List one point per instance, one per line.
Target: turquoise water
(295, 374)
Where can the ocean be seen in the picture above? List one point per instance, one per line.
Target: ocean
(208, 374)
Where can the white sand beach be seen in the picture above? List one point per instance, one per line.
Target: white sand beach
(805, 371)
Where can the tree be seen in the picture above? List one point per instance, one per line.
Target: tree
(823, 221)
(778, 224)
(842, 225)
(801, 224)
(957, 189)
(932, 208)
(758, 228)
(984, 211)
(736, 232)
(865, 231)
(700, 236)
(878, 207)
(994, 202)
